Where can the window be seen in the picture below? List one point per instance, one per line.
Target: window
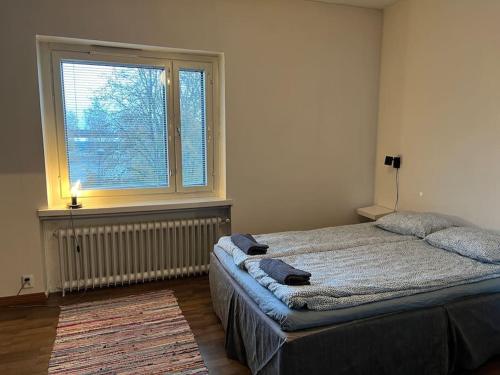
(128, 124)
(193, 125)
(115, 121)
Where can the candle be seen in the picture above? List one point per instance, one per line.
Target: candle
(75, 192)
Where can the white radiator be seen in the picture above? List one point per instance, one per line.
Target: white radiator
(111, 255)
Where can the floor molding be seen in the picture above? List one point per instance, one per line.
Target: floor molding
(23, 299)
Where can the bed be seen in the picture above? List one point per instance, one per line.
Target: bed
(433, 331)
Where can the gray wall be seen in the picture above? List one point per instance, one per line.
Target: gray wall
(301, 106)
(439, 107)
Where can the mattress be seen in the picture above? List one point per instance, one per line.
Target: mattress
(293, 320)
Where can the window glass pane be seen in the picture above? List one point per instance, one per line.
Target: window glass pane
(115, 122)
(193, 127)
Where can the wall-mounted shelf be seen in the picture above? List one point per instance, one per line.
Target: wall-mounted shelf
(374, 212)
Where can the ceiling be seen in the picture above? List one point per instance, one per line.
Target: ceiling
(378, 4)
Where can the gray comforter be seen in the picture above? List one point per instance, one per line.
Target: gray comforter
(317, 240)
(357, 264)
(364, 274)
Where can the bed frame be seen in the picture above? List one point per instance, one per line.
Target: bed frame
(438, 340)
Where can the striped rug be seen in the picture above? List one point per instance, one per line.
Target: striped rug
(142, 334)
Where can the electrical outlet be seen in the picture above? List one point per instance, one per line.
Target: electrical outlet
(27, 281)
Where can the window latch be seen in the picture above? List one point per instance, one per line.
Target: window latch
(178, 131)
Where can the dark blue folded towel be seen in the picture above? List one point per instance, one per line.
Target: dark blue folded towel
(284, 273)
(248, 244)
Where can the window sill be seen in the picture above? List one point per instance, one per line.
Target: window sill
(129, 209)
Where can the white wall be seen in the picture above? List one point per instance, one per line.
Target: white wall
(439, 107)
(301, 105)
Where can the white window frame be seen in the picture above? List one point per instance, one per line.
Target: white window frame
(50, 56)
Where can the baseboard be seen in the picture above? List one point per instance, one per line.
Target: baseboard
(23, 299)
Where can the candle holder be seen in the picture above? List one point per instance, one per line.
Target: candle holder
(74, 203)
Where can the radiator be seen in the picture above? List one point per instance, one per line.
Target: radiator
(113, 255)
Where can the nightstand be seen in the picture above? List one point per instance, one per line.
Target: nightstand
(374, 212)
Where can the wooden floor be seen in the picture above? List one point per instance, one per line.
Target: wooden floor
(27, 333)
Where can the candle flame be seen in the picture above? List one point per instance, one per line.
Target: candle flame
(75, 189)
